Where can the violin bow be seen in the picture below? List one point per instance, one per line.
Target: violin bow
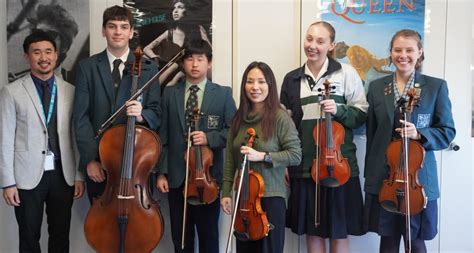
(138, 93)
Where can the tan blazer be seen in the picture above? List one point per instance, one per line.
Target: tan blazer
(24, 136)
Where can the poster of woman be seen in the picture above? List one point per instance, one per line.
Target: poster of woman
(164, 26)
(66, 21)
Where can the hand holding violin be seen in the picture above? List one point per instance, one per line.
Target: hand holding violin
(252, 154)
(410, 130)
(199, 138)
(329, 105)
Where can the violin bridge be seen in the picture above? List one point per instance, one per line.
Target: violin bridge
(125, 197)
(400, 181)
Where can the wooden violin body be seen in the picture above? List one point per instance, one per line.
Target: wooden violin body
(393, 195)
(145, 226)
(401, 192)
(334, 169)
(251, 221)
(329, 168)
(202, 188)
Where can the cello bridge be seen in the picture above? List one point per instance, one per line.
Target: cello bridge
(125, 197)
(400, 181)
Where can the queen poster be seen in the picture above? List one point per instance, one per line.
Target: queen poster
(365, 28)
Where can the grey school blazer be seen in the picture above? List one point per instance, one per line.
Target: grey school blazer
(24, 136)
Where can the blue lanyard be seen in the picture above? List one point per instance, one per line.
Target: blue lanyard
(51, 104)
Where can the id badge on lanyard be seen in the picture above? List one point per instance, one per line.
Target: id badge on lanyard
(49, 160)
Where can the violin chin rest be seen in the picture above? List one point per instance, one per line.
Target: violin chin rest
(390, 206)
(330, 182)
(244, 237)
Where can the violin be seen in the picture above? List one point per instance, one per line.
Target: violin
(330, 168)
(125, 218)
(248, 219)
(200, 188)
(402, 193)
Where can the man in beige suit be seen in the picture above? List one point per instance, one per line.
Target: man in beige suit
(37, 150)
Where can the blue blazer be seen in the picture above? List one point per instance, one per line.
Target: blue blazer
(432, 117)
(218, 108)
(94, 101)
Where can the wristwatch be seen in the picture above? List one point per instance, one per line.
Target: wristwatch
(267, 158)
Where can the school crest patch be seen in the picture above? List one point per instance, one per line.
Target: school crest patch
(213, 121)
(423, 120)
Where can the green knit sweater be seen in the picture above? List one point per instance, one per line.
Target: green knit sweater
(284, 148)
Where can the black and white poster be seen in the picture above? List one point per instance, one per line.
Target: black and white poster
(163, 26)
(67, 21)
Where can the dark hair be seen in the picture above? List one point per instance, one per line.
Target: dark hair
(117, 13)
(197, 47)
(65, 27)
(407, 33)
(271, 103)
(174, 2)
(37, 36)
(332, 35)
(190, 23)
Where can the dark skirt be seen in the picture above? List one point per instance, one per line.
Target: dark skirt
(341, 209)
(423, 226)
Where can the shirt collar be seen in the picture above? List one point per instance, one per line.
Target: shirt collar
(112, 58)
(38, 81)
(201, 85)
(409, 85)
(323, 70)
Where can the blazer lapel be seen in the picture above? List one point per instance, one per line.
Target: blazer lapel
(106, 75)
(209, 94)
(126, 83)
(389, 97)
(419, 84)
(33, 94)
(179, 99)
(209, 97)
(61, 100)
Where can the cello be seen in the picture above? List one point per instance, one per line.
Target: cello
(248, 218)
(402, 193)
(330, 168)
(200, 188)
(125, 218)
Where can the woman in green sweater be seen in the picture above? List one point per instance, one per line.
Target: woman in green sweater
(277, 146)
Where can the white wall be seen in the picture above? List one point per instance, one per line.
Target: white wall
(3, 49)
(270, 31)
